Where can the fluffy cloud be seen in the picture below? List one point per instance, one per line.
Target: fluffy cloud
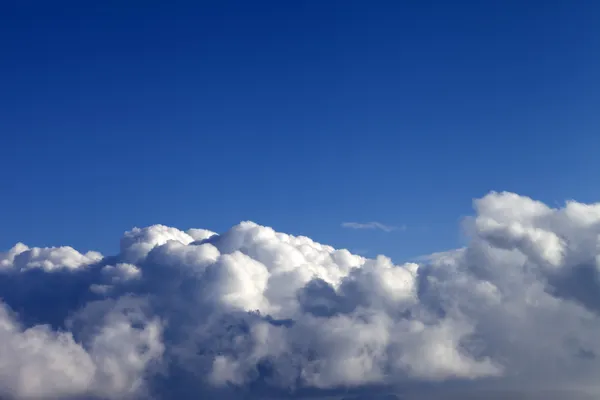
(111, 361)
(22, 257)
(255, 312)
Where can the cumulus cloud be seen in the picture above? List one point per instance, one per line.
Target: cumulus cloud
(371, 225)
(253, 313)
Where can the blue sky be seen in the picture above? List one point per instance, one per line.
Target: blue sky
(298, 115)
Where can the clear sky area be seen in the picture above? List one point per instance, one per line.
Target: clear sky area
(297, 115)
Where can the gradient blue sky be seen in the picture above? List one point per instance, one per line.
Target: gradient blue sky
(298, 115)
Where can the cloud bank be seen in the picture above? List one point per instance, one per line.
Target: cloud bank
(253, 313)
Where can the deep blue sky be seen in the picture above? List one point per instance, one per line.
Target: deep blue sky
(299, 115)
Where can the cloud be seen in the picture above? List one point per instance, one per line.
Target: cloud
(371, 225)
(254, 313)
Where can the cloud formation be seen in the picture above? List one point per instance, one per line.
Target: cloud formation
(370, 225)
(253, 313)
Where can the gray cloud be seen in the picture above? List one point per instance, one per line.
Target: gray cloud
(371, 225)
(253, 313)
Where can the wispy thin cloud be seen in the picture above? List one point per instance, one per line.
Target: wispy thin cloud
(371, 225)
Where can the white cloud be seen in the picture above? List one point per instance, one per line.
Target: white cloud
(22, 257)
(371, 225)
(193, 314)
(39, 362)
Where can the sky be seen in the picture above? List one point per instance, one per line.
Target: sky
(298, 115)
(195, 195)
